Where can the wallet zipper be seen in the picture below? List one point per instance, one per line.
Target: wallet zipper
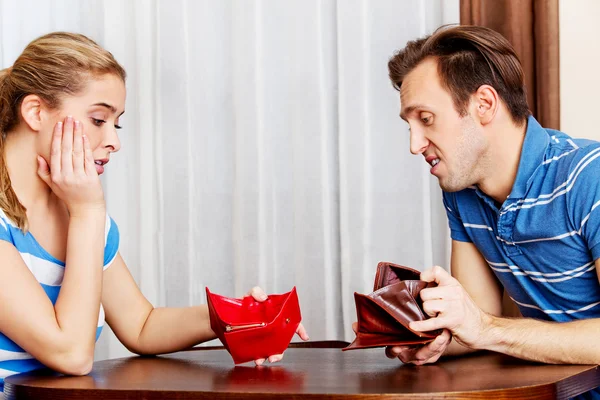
(230, 328)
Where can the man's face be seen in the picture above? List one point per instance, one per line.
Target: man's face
(452, 145)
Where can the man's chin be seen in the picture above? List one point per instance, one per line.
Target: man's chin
(451, 187)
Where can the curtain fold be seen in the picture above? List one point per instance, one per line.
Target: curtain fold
(532, 28)
(261, 146)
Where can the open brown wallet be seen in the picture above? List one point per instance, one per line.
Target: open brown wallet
(384, 315)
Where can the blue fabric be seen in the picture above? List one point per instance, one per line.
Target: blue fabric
(49, 272)
(543, 240)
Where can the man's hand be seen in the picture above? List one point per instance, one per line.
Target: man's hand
(421, 354)
(450, 307)
(418, 354)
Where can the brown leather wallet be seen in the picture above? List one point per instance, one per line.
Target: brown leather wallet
(384, 315)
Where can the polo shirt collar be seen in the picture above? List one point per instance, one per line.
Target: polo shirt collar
(532, 155)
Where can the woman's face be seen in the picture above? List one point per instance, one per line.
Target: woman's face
(98, 107)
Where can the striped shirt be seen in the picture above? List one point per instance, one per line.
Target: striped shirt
(543, 240)
(49, 272)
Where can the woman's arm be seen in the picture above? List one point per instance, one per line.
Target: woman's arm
(142, 328)
(61, 336)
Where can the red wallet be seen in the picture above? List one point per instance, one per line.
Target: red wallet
(250, 329)
(385, 314)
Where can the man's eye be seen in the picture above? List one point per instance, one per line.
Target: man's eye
(426, 120)
(98, 122)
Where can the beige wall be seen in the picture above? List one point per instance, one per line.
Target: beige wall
(580, 67)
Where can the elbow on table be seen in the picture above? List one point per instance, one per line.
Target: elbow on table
(139, 350)
(75, 362)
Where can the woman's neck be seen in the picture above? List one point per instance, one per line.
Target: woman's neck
(20, 156)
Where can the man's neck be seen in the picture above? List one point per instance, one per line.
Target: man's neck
(506, 143)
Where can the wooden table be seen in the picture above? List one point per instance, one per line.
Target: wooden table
(309, 373)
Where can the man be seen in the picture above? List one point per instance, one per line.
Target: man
(521, 202)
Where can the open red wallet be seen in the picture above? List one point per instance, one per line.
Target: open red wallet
(250, 329)
(384, 315)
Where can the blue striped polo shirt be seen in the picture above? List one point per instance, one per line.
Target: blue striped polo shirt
(543, 240)
(49, 272)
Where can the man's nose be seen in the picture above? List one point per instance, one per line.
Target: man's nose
(418, 142)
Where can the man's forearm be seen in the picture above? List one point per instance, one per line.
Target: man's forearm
(549, 342)
(172, 329)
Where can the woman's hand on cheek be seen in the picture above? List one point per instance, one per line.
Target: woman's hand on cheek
(71, 173)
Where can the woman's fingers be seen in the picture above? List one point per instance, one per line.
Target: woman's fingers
(272, 359)
(55, 150)
(66, 148)
(257, 293)
(275, 358)
(301, 331)
(90, 166)
(78, 152)
(43, 170)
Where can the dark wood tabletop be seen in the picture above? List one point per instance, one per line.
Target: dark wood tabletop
(309, 373)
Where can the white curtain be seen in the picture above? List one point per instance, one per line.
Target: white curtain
(261, 145)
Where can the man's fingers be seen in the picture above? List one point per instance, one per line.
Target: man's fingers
(392, 351)
(434, 307)
(441, 342)
(440, 292)
(433, 350)
(438, 275)
(403, 352)
(430, 324)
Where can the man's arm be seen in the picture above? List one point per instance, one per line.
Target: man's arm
(468, 267)
(530, 339)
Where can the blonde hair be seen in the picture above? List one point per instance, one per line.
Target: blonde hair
(52, 66)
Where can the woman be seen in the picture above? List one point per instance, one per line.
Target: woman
(60, 106)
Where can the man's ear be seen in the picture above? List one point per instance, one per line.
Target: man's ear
(487, 103)
(32, 111)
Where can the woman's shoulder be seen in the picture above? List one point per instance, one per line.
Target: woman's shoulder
(7, 227)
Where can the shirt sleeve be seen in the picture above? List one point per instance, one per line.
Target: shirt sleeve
(457, 229)
(111, 247)
(4, 230)
(583, 198)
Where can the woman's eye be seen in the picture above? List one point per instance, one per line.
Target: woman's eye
(98, 122)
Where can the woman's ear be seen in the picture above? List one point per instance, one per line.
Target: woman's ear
(32, 111)
(487, 102)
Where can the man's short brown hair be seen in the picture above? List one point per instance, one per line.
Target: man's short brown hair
(468, 57)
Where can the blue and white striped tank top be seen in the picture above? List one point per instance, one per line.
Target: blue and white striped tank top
(49, 272)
